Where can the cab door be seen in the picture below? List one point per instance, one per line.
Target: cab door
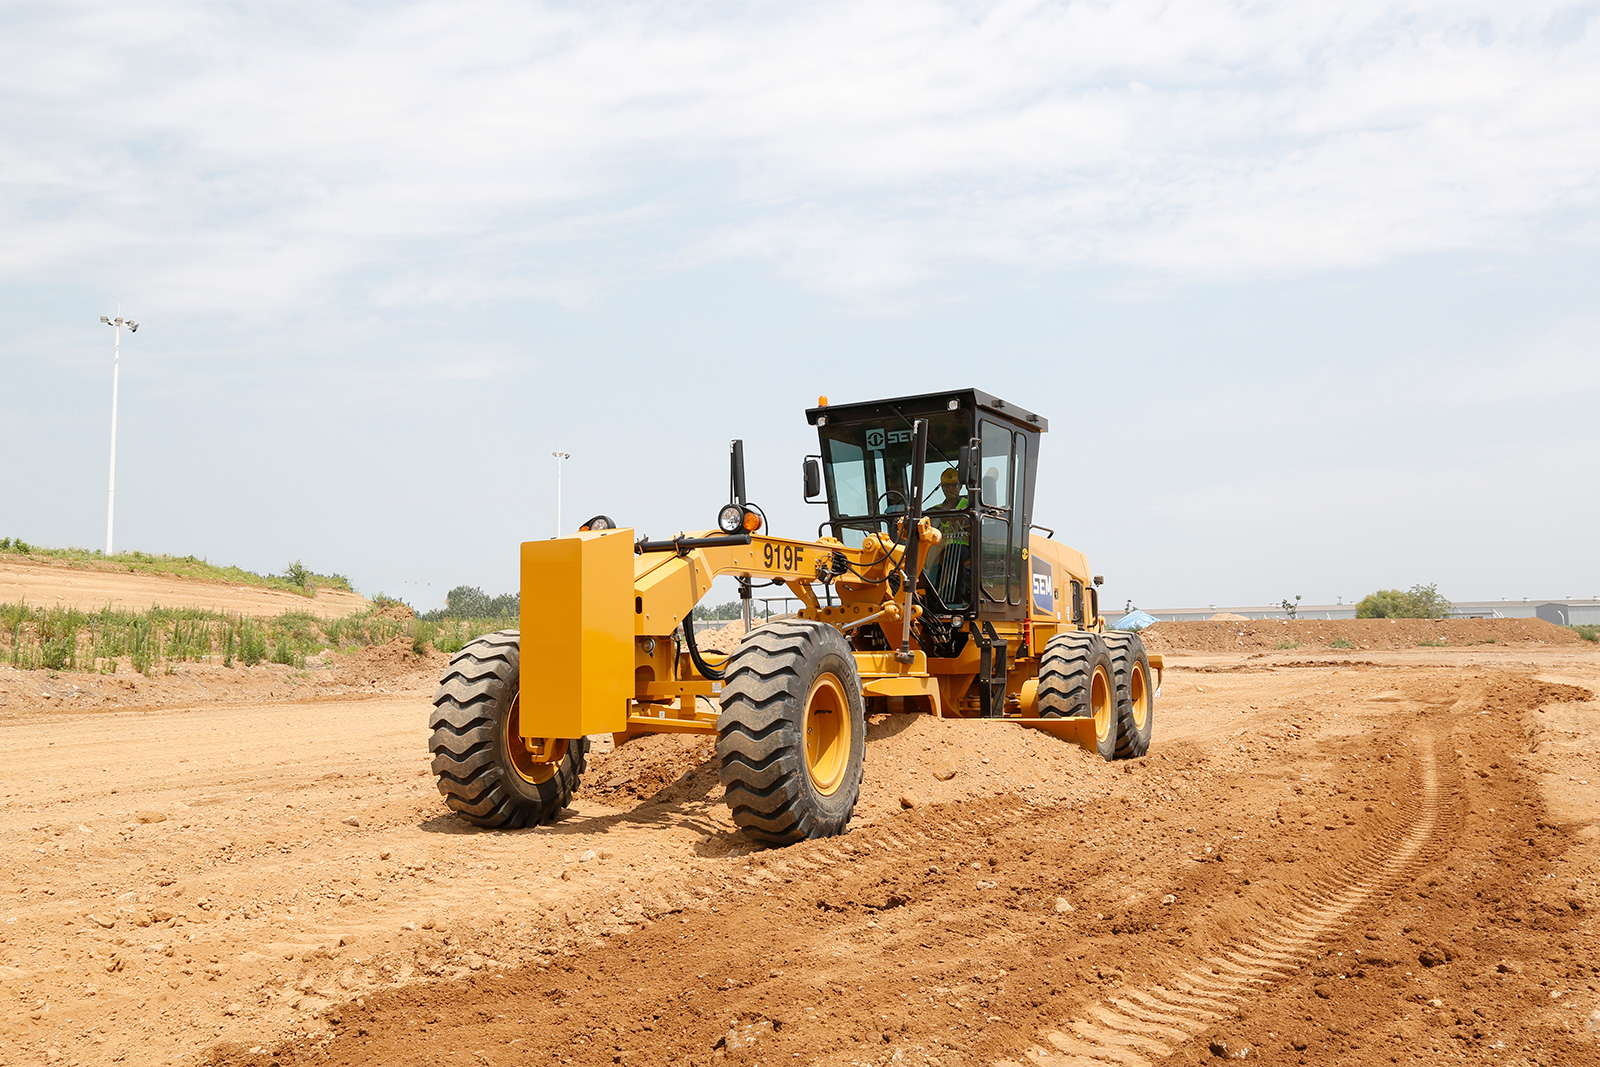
(1005, 489)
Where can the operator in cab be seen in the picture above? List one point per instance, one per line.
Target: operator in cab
(947, 569)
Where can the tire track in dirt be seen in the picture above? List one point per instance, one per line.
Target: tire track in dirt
(1137, 1027)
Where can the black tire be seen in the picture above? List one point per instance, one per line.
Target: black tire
(787, 683)
(1077, 679)
(1135, 694)
(484, 771)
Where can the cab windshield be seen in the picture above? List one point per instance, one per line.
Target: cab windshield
(868, 470)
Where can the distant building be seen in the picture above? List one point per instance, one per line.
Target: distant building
(1560, 612)
(1570, 612)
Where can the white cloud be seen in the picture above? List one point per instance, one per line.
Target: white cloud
(247, 156)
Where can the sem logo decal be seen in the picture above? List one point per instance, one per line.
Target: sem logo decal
(877, 439)
(1044, 596)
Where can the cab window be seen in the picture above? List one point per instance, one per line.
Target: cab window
(996, 465)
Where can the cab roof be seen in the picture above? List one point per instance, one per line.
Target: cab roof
(930, 404)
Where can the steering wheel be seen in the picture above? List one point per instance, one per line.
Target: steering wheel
(883, 501)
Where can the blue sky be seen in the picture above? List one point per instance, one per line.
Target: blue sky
(1308, 292)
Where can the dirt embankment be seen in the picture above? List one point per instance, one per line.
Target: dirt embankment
(1336, 634)
(56, 583)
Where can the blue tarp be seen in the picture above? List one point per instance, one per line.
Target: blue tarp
(1134, 620)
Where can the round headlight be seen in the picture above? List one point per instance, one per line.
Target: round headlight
(731, 519)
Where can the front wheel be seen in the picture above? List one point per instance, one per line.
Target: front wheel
(486, 772)
(791, 739)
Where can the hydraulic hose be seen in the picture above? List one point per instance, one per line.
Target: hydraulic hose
(708, 671)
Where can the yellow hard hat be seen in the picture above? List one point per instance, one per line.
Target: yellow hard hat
(949, 477)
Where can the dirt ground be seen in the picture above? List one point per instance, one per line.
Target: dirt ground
(49, 582)
(1331, 856)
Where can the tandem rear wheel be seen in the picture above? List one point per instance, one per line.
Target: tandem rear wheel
(1105, 677)
(486, 771)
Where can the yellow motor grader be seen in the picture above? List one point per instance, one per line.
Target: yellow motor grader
(926, 589)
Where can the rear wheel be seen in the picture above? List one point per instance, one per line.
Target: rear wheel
(1078, 680)
(791, 739)
(1135, 694)
(486, 771)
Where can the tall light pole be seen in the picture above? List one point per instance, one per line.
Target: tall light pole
(116, 364)
(559, 457)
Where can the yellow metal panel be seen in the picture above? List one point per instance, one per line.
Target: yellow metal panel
(650, 724)
(906, 687)
(1028, 697)
(670, 690)
(884, 665)
(1079, 731)
(577, 634)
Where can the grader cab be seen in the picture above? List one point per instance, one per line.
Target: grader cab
(925, 590)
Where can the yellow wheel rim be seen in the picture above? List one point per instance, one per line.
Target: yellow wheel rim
(827, 734)
(528, 769)
(1100, 701)
(1140, 692)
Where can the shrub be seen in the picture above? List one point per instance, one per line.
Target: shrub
(1419, 602)
(1340, 642)
(466, 602)
(421, 634)
(252, 641)
(720, 613)
(1588, 632)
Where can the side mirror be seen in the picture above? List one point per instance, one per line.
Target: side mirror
(967, 466)
(813, 478)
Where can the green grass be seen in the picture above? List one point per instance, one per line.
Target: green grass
(1432, 644)
(1284, 646)
(67, 639)
(1340, 642)
(296, 578)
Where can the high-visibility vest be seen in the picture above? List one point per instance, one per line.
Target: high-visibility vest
(956, 531)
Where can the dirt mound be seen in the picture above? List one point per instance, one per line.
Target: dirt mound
(397, 611)
(394, 664)
(723, 639)
(1228, 616)
(1338, 634)
(643, 768)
